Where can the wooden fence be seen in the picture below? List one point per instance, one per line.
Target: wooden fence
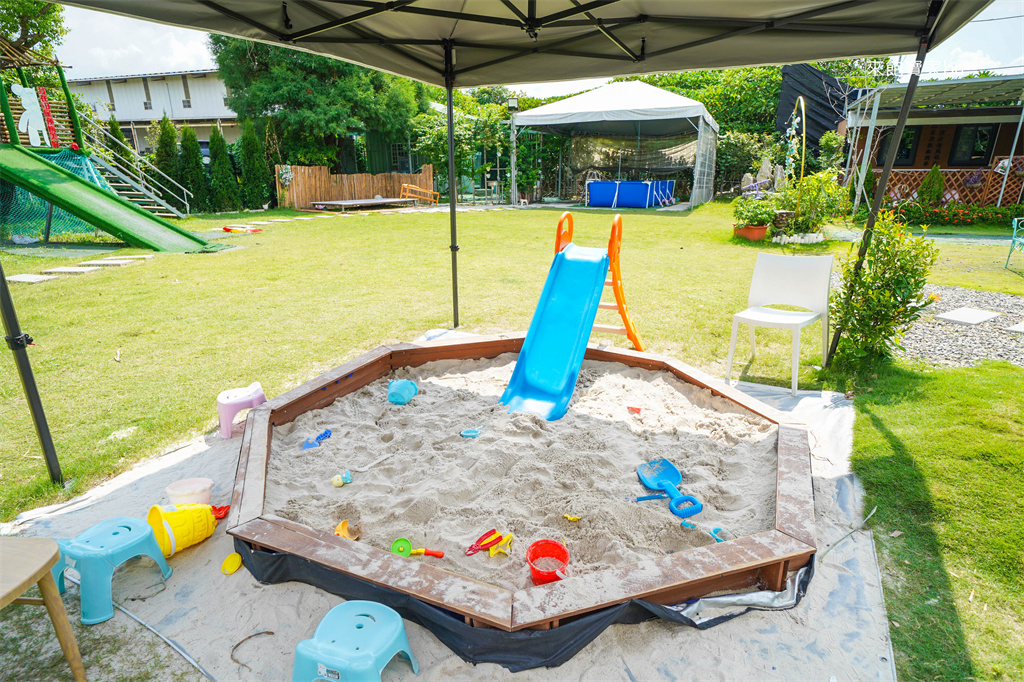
(312, 184)
(903, 185)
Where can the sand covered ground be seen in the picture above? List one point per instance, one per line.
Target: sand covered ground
(523, 474)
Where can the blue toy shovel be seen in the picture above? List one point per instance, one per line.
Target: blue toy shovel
(315, 443)
(661, 474)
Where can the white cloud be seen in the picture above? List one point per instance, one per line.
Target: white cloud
(100, 44)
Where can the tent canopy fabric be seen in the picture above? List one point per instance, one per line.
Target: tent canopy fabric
(516, 41)
(627, 109)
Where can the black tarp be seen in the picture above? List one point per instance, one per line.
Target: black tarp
(824, 100)
(517, 651)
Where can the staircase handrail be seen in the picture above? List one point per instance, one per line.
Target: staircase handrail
(133, 182)
(136, 158)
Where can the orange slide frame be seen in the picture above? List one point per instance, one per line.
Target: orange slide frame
(563, 237)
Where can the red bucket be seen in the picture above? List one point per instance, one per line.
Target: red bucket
(547, 549)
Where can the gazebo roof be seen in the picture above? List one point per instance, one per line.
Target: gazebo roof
(951, 93)
(629, 108)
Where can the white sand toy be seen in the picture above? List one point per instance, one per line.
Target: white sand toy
(234, 400)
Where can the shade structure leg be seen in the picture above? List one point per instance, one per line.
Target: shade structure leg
(890, 159)
(17, 341)
(453, 182)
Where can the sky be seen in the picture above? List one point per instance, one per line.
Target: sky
(107, 45)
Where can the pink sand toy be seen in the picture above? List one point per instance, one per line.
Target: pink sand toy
(234, 400)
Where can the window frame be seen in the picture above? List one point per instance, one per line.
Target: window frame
(958, 133)
(883, 146)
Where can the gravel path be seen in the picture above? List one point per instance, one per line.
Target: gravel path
(958, 345)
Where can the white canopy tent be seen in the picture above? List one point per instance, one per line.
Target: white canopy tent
(634, 109)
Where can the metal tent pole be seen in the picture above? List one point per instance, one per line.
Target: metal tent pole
(1009, 160)
(866, 160)
(453, 192)
(18, 341)
(890, 159)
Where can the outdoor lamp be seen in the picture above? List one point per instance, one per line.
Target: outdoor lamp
(513, 104)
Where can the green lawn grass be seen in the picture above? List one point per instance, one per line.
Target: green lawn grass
(304, 296)
(941, 453)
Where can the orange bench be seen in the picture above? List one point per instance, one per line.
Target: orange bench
(414, 192)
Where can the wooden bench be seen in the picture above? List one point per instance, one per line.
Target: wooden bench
(414, 192)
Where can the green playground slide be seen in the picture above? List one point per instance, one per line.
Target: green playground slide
(94, 205)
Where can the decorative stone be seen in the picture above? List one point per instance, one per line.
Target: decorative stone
(765, 171)
(69, 271)
(746, 181)
(968, 316)
(780, 176)
(107, 263)
(30, 279)
(1016, 328)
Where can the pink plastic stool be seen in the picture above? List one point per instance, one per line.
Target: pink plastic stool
(234, 400)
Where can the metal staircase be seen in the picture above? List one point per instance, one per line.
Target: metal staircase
(133, 177)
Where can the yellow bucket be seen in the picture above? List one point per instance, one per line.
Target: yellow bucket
(177, 526)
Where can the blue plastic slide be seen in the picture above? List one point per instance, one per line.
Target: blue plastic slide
(549, 362)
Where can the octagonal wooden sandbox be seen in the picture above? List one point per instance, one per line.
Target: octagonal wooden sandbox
(763, 559)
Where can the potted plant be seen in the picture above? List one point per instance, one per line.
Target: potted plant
(1018, 166)
(974, 179)
(752, 218)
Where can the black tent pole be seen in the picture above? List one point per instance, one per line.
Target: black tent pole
(453, 182)
(18, 341)
(890, 158)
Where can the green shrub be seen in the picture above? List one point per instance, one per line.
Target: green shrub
(872, 311)
(953, 213)
(193, 175)
(869, 188)
(254, 169)
(831, 150)
(932, 187)
(814, 199)
(223, 185)
(753, 212)
(165, 158)
(739, 153)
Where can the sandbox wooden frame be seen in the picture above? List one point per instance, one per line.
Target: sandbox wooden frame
(763, 559)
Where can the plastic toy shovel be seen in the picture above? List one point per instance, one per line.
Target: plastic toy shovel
(662, 474)
(403, 547)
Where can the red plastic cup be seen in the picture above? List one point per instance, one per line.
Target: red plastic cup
(547, 549)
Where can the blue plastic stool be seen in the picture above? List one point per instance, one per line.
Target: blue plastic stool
(353, 643)
(96, 552)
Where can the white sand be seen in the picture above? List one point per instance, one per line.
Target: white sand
(522, 474)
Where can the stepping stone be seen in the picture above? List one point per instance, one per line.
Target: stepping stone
(303, 218)
(30, 279)
(256, 222)
(281, 220)
(107, 263)
(144, 257)
(69, 271)
(242, 226)
(1015, 328)
(387, 213)
(968, 316)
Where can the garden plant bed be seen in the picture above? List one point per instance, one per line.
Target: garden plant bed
(781, 542)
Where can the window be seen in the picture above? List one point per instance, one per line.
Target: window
(226, 102)
(399, 157)
(972, 145)
(147, 106)
(186, 104)
(908, 146)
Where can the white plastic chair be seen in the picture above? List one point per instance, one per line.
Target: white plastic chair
(799, 281)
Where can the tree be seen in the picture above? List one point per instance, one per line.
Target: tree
(313, 101)
(223, 185)
(431, 141)
(165, 158)
(193, 175)
(32, 25)
(932, 187)
(115, 132)
(254, 169)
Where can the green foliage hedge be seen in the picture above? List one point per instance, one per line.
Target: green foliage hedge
(953, 213)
